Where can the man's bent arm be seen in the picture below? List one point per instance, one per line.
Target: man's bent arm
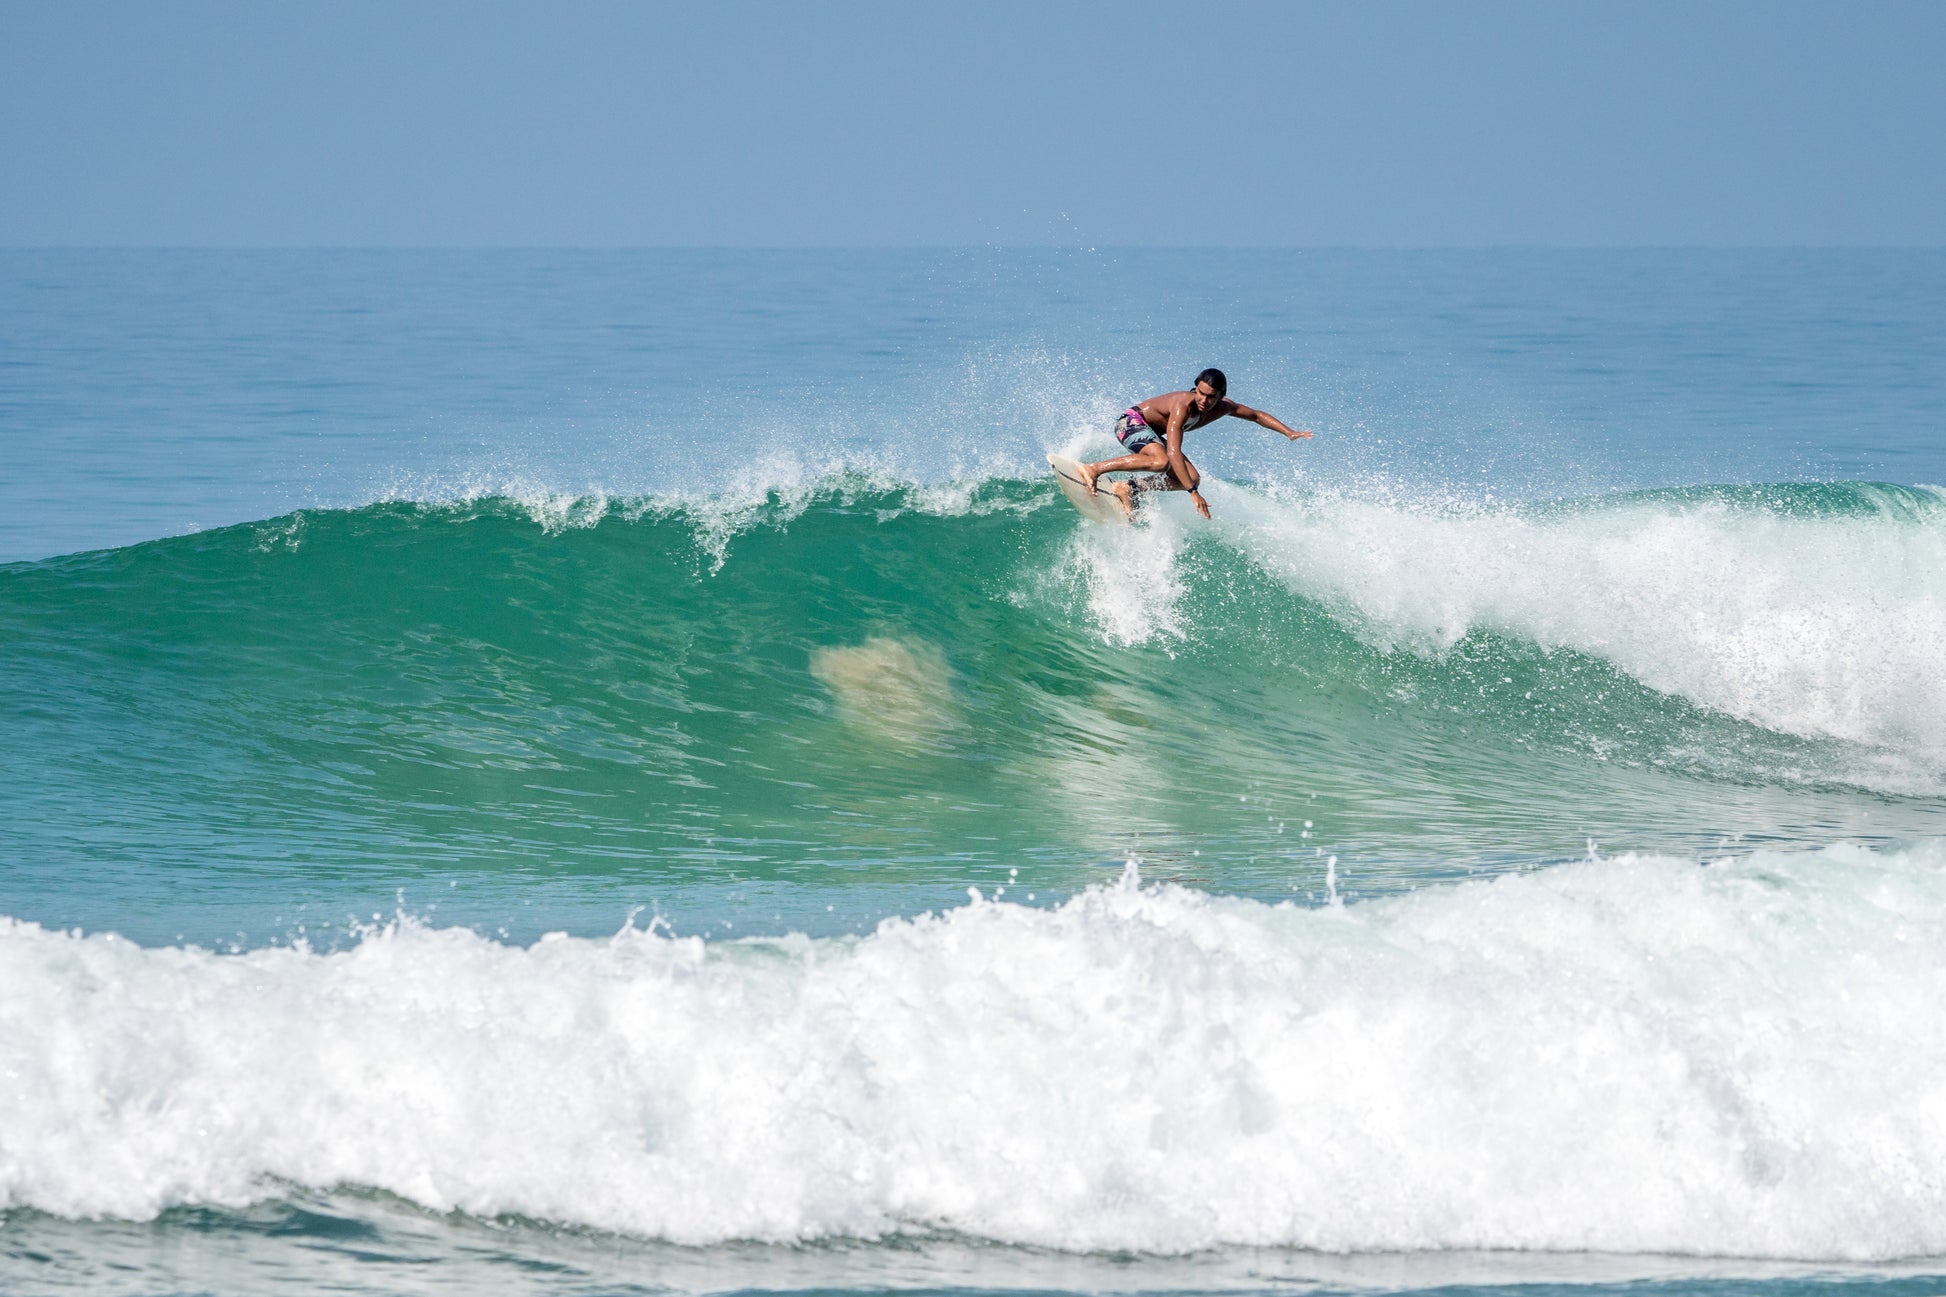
(1184, 471)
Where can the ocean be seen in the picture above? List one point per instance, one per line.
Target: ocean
(617, 772)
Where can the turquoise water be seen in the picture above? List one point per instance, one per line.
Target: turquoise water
(610, 772)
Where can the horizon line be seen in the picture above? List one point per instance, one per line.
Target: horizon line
(975, 247)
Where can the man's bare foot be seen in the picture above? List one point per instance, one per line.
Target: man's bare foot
(1124, 492)
(1088, 475)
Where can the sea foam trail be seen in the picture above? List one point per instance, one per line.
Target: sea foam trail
(1828, 625)
(1629, 1055)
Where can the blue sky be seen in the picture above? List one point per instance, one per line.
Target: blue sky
(1382, 124)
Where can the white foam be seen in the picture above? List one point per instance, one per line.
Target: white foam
(1630, 1055)
(1817, 626)
(1130, 578)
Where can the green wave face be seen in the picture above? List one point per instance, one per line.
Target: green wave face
(870, 687)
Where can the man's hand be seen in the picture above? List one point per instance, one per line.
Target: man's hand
(1196, 498)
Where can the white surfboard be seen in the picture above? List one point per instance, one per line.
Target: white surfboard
(1101, 506)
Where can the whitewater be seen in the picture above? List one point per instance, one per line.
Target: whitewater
(1629, 1055)
(470, 825)
(1775, 611)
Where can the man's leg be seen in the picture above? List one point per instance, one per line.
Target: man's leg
(1166, 480)
(1149, 459)
(1163, 479)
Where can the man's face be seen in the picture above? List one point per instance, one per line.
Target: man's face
(1203, 396)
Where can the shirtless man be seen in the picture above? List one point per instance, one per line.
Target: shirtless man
(1152, 434)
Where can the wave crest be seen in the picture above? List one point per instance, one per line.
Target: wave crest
(1826, 621)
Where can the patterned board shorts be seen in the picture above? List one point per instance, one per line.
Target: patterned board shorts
(1133, 432)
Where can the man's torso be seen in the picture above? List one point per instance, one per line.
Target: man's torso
(1158, 410)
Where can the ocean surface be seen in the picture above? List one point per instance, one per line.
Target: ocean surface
(586, 772)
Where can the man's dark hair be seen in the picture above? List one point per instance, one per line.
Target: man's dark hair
(1215, 379)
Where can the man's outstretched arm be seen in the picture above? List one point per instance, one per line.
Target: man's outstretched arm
(1267, 419)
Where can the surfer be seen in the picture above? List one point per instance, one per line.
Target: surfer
(1151, 432)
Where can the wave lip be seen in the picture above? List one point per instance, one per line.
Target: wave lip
(1633, 1055)
(1814, 611)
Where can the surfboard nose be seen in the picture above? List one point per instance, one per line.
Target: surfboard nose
(1097, 506)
